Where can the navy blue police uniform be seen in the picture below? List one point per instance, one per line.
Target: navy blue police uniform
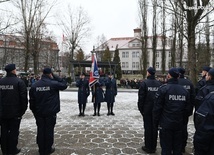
(110, 93)
(45, 104)
(202, 81)
(83, 93)
(97, 96)
(186, 83)
(209, 87)
(203, 140)
(14, 103)
(146, 98)
(172, 102)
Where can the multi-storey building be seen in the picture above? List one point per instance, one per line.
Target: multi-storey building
(12, 50)
(130, 52)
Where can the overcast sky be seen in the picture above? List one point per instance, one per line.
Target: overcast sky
(113, 18)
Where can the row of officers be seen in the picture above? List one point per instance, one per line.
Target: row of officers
(44, 102)
(166, 109)
(98, 94)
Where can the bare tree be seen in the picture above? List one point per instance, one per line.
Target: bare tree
(154, 32)
(143, 9)
(32, 16)
(75, 25)
(194, 11)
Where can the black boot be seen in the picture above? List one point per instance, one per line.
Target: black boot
(98, 110)
(80, 109)
(94, 109)
(108, 107)
(112, 105)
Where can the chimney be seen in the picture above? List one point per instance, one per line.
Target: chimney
(137, 32)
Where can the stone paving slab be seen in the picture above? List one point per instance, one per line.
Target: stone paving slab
(93, 135)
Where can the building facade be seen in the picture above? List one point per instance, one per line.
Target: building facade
(12, 50)
(130, 52)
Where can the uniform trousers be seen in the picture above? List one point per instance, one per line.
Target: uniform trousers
(9, 135)
(171, 141)
(150, 133)
(45, 133)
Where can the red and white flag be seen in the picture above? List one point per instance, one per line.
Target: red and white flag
(94, 73)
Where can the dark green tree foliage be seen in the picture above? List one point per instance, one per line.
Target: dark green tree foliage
(79, 56)
(116, 59)
(107, 57)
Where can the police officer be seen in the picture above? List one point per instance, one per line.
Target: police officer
(172, 102)
(111, 92)
(202, 81)
(97, 97)
(45, 104)
(206, 89)
(146, 97)
(190, 87)
(83, 93)
(203, 137)
(14, 104)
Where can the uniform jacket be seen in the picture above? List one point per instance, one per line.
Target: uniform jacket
(172, 102)
(83, 91)
(204, 136)
(200, 84)
(44, 96)
(14, 99)
(97, 93)
(111, 90)
(209, 87)
(190, 87)
(146, 94)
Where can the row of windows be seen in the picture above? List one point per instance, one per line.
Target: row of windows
(136, 65)
(136, 54)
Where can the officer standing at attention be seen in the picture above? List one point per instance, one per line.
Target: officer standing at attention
(97, 96)
(83, 93)
(209, 87)
(202, 81)
(172, 102)
(111, 92)
(14, 104)
(203, 137)
(190, 87)
(146, 98)
(45, 104)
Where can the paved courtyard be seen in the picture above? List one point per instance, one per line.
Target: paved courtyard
(92, 135)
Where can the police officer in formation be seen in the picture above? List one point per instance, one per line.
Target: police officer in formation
(97, 96)
(146, 97)
(206, 89)
(202, 81)
(171, 103)
(45, 104)
(203, 138)
(14, 103)
(110, 94)
(83, 93)
(186, 83)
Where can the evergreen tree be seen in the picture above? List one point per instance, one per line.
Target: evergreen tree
(116, 59)
(107, 57)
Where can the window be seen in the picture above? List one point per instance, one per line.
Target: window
(133, 54)
(137, 65)
(157, 54)
(123, 64)
(169, 64)
(133, 45)
(137, 54)
(127, 65)
(157, 65)
(133, 65)
(123, 54)
(127, 54)
(169, 54)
